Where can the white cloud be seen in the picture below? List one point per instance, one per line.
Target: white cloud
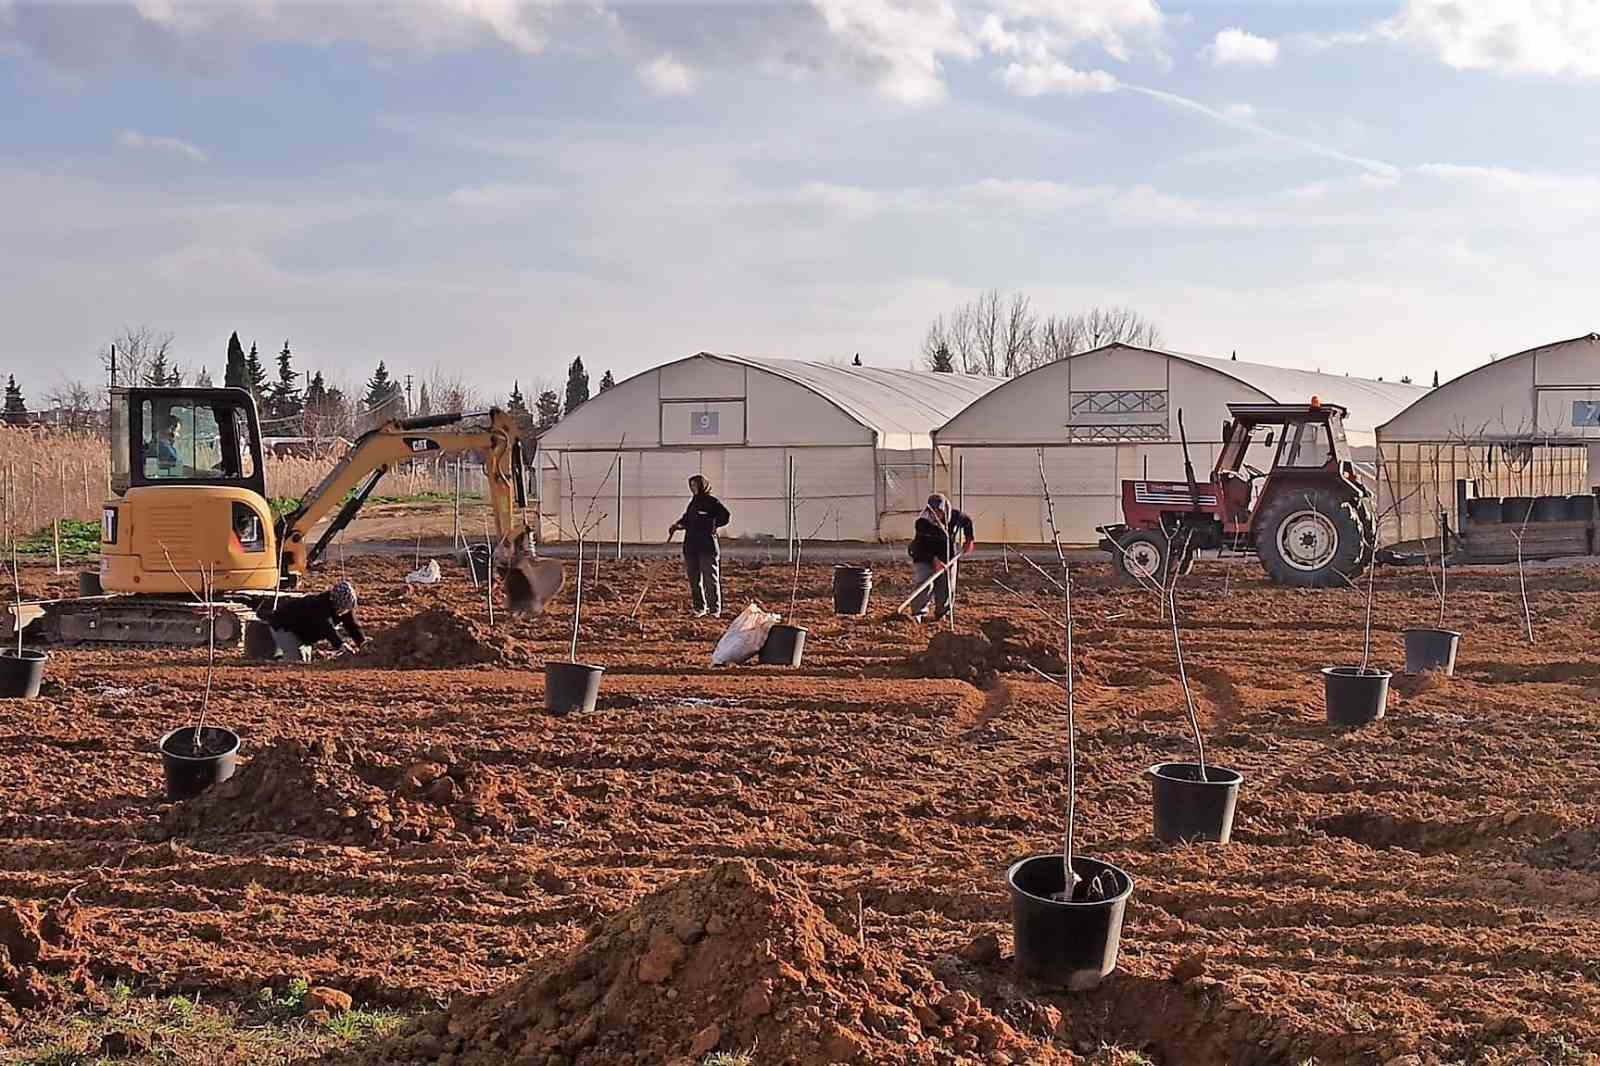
(171, 146)
(1112, 24)
(1038, 79)
(905, 42)
(666, 76)
(1550, 37)
(1239, 48)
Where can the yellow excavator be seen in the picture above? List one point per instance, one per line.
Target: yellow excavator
(189, 512)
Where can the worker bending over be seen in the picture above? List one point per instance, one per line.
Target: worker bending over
(298, 623)
(702, 558)
(934, 545)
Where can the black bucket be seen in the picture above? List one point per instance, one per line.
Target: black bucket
(1515, 510)
(1550, 509)
(852, 588)
(1580, 508)
(187, 773)
(785, 646)
(258, 641)
(1484, 509)
(1188, 809)
(571, 687)
(1431, 649)
(1065, 945)
(89, 583)
(20, 675)
(1355, 696)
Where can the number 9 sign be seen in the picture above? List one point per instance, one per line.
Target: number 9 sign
(703, 423)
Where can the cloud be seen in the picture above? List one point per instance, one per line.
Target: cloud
(666, 76)
(1556, 38)
(906, 42)
(171, 146)
(1038, 79)
(1234, 47)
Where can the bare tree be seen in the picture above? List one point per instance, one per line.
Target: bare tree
(450, 393)
(135, 348)
(999, 335)
(76, 403)
(1017, 337)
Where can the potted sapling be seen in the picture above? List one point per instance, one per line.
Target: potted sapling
(1193, 801)
(573, 686)
(21, 670)
(1357, 695)
(197, 756)
(786, 642)
(1434, 649)
(1067, 909)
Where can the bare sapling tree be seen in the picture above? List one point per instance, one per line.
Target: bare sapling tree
(206, 599)
(799, 546)
(16, 585)
(582, 529)
(1183, 672)
(1522, 576)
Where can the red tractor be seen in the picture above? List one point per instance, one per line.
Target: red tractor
(1309, 519)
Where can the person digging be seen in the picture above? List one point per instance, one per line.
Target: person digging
(300, 623)
(702, 558)
(931, 549)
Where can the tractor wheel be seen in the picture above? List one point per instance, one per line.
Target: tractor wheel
(1308, 539)
(1141, 557)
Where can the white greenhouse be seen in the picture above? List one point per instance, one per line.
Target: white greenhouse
(1524, 425)
(856, 442)
(1111, 414)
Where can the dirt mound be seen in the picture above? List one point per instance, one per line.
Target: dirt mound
(979, 657)
(41, 965)
(347, 794)
(732, 959)
(437, 638)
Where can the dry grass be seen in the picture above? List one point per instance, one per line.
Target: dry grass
(49, 475)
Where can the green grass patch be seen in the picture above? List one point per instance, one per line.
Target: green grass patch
(269, 1029)
(77, 540)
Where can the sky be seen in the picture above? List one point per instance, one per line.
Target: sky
(492, 187)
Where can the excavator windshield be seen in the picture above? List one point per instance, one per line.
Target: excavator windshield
(187, 436)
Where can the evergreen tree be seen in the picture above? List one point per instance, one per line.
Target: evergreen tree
(424, 401)
(607, 381)
(285, 401)
(577, 386)
(202, 378)
(382, 389)
(1436, 379)
(943, 361)
(547, 411)
(155, 373)
(857, 360)
(316, 399)
(235, 376)
(175, 378)
(16, 410)
(517, 408)
(255, 375)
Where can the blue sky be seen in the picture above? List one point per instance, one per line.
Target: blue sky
(494, 186)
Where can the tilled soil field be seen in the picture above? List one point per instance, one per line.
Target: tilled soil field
(1423, 890)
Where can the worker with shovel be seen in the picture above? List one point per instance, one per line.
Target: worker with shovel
(931, 551)
(701, 556)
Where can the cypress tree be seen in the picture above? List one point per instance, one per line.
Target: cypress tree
(577, 386)
(235, 376)
(607, 381)
(255, 375)
(16, 409)
(547, 410)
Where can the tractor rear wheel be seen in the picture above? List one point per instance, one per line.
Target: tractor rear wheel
(1309, 539)
(1140, 557)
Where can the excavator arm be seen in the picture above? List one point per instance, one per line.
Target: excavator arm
(529, 583)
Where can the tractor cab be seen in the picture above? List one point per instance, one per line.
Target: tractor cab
(1306, 516)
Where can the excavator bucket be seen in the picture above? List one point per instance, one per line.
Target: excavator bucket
(531, 583)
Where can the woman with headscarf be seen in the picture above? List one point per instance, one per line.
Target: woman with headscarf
(300, 622)
(702, 558)
(932, 547)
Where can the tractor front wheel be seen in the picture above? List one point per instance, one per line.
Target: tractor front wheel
(1140, 558)
(1309, 539)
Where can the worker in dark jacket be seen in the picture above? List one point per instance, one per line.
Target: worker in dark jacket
(942, 532)
(702, 559)
(300, 622)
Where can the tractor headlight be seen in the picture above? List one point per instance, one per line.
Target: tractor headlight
(108, 526)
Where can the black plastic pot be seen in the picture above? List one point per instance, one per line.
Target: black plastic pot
(477, 559)
(1431, 649)
(1580, 508)
(1066, 945)
(785, 646)
(1515, 510)
(188, 772)
(89, 583)
(1484, 509)
(852, 588)
(258, 641)
(1549, 509)
(20, 675)
(1355, 696)
(571, 687)
(1188, 809)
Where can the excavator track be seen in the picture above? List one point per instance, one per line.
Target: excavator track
(137, 622)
